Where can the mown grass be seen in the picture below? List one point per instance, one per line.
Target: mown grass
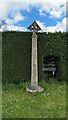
(0, 100)
(51, 103)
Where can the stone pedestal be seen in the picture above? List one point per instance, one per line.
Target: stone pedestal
(34, 67)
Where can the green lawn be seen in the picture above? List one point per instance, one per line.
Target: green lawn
(51, 103)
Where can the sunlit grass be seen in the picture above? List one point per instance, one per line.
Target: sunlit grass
(51, 103)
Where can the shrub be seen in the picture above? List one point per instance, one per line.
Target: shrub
(16, 54)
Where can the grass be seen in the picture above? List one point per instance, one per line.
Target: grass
(0, 100)
(51, 103)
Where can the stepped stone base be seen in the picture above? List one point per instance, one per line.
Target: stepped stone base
(34, 89)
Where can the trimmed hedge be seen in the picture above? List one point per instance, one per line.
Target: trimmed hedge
(16, 54)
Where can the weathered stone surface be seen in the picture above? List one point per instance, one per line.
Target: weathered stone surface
(34, 66)
(34, 62)
(34, 89)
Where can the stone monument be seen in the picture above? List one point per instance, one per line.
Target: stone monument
(34, 62)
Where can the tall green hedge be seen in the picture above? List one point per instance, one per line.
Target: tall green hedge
(16, 54)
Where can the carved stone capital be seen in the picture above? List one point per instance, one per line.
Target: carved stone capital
(34, 35)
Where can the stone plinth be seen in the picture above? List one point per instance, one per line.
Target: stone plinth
(34, 89)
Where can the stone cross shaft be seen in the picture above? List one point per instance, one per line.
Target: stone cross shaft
(34, 64)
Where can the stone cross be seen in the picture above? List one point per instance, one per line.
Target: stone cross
(34, 62)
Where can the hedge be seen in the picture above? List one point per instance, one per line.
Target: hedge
(16, 55)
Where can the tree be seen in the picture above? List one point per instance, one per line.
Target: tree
(3, 25)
